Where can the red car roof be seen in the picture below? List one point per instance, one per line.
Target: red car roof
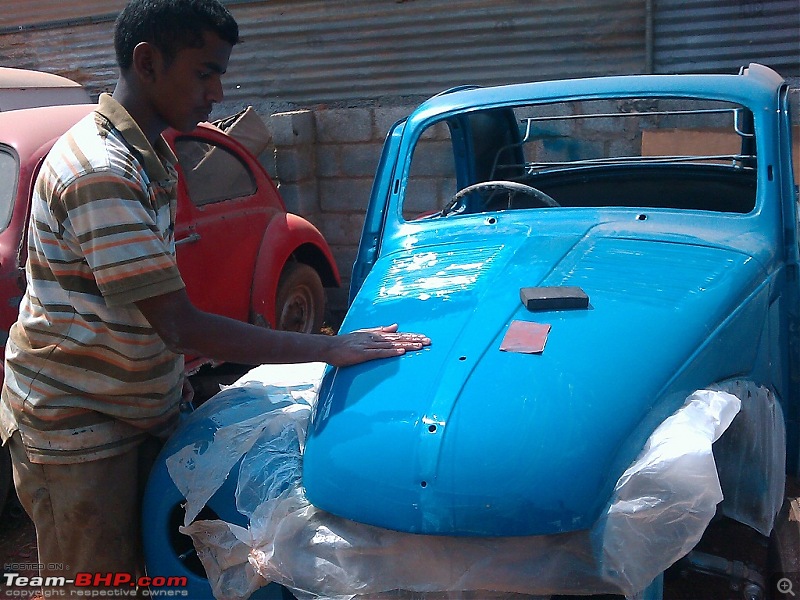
(25, 78)
(26, 130)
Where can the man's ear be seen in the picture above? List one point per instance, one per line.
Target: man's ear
(146, 58)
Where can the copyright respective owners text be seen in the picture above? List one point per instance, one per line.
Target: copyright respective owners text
(786, 584)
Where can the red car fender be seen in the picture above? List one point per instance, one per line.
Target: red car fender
(288, 237)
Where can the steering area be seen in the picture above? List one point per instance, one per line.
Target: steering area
(512, 188)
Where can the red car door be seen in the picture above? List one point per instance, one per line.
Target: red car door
(225, 203)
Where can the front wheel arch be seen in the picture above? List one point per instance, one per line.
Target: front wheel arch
(290, 239)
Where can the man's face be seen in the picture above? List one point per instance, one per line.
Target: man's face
(185, 90)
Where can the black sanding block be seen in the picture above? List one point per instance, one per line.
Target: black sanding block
(553, 297)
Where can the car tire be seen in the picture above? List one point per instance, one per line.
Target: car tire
(300, 300)
(6, 477)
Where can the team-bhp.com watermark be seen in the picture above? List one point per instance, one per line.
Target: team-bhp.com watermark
(14, 584)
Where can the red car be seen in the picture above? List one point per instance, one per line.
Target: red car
(241, 254)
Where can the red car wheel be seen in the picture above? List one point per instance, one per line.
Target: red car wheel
(300, 300)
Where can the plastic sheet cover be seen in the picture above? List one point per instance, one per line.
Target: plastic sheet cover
(659, 509)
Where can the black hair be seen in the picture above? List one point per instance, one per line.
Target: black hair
(170, 25)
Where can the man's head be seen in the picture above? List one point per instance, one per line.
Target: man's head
(170, 25)
(172, 55)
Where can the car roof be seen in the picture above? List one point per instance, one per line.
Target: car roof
(26, 130)
(753, 86)
(13, 78)
(23, 88)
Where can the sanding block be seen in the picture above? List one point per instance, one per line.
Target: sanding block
(553, 297)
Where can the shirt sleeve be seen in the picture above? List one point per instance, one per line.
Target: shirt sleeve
(125, 233)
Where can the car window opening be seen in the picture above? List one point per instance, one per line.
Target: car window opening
(202, 163)
(672, 153)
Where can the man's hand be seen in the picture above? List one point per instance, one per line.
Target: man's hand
(369, 344)
(185, 329)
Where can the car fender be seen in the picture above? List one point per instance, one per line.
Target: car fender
(288, 237)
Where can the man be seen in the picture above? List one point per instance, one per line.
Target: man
(94, 364)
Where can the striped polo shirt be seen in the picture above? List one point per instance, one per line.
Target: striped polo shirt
(86, 376)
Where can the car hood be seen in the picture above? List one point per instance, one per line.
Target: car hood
(463, 438)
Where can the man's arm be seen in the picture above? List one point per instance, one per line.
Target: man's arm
(185, 329)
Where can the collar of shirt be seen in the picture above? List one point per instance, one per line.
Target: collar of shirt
(159, 161)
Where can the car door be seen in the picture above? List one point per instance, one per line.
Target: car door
(371, 233)
(224, 206)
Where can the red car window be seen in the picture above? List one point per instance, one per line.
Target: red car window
(212, 173)
(9, 171)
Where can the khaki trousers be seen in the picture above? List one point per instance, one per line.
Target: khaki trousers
(86, 514)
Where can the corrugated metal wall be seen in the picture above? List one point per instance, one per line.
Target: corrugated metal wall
(722, 35)
(54, 13)
(337, 51)
(73, 38)
(341, 50)
(305, 53)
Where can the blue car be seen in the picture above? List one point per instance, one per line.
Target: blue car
(608, 271)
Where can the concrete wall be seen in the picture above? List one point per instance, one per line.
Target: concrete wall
(323, 162)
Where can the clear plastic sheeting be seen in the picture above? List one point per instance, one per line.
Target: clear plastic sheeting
(663, 502)
(659, 510)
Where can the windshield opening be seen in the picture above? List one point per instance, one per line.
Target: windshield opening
(635, 152)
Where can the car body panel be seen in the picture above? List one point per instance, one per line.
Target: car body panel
(283, 232)
(650, 294)
(23, 88)
(464, 439)
(206, 249)
(168, 552)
